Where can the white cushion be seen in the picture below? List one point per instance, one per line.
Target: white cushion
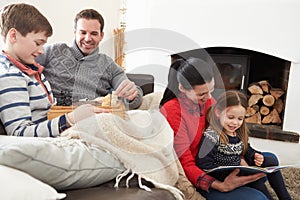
(16, 184)
(151, 101)
(60, 162)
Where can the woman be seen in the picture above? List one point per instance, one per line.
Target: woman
(184, 104)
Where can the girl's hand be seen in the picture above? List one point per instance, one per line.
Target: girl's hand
(258, 159)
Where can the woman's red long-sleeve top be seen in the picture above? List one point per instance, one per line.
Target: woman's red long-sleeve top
(188, 121)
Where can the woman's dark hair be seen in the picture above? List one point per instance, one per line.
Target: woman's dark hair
(188, 73)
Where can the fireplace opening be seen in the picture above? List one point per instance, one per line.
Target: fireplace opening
(259, 66)
(241, 68)
(260, 76)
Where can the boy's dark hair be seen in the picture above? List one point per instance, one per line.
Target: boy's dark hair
(24, 18)
(89, 14)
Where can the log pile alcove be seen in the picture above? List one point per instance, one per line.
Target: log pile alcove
(265, 104)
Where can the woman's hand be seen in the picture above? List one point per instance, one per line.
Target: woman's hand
(84, 111)
(233, 181)
(258, 159)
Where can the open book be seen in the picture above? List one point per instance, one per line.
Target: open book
(246, 170)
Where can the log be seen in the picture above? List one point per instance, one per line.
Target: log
(276, 92)
(273, 117)
(264, 110)
(254, 99)
(254, 119)
(268, 100)
(264, 86)
(251, 110)
(255, 89)
(278, 105)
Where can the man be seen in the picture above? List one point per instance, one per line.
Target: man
(83, 72)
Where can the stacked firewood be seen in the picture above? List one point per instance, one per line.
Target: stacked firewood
(265, 103)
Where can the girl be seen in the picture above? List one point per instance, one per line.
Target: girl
(225, 142)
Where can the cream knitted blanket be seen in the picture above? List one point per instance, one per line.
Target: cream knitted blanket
(143, 143)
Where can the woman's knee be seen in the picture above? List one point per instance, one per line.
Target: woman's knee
(270, 159)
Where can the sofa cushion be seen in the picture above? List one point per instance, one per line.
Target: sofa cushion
(59, 162)
(16, 184)
(151, 101)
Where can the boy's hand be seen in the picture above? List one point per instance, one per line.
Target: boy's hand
(84, 111)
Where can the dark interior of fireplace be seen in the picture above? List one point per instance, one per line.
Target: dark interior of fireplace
(239, 68)
(260, 66)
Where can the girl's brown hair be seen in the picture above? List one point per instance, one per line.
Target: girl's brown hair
(227, 99)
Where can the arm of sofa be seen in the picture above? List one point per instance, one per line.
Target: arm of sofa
(145, 81)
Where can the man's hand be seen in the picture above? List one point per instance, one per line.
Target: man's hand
(127, 89)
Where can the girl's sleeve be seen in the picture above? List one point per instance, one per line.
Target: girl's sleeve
(207, 153)
(249, 155)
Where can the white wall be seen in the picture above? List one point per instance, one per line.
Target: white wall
(61, 13)
(269, 26)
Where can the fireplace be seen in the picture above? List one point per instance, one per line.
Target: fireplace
(239, 69)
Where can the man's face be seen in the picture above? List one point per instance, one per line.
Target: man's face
(88, 35)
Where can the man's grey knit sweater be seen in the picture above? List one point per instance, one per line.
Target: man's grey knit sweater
(91, 76)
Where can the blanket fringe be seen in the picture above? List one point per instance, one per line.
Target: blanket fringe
(176, 192)
(120, 176)
(128, 179)
(143, 186)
